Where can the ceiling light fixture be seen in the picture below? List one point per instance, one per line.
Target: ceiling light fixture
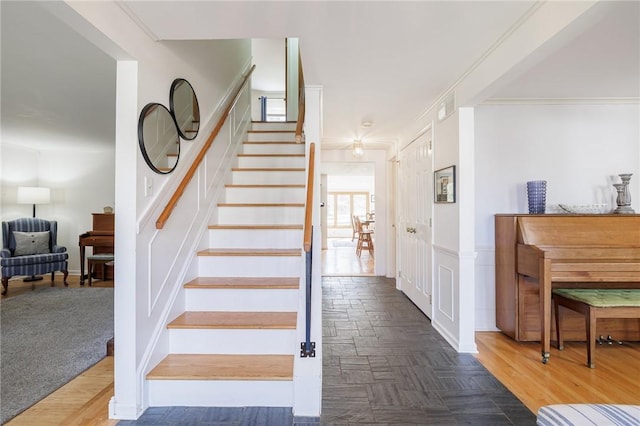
(358, 148)
(366, 124)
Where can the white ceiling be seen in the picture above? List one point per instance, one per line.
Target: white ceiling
(379, 61)
(58, 89)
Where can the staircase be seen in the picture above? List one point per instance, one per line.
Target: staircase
(235, 343)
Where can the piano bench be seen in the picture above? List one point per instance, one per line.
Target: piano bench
(98, 259)
(594, 304)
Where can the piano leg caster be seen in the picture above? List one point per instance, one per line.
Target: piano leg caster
(545, 357)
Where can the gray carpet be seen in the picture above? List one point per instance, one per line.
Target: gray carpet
(48, 337)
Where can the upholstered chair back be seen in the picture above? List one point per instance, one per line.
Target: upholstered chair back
(28, 225)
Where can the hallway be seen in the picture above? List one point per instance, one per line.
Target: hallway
(340, 259)
(384, 364)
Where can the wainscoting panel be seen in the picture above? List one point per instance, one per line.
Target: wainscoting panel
(485, 272)
(446, 292)
(446, 318)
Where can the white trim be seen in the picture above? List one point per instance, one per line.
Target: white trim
(139, 22)
(512, 29)
(562, 101)
(123, 411)
(445, 250)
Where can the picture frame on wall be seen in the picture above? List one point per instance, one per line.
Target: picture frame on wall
(444, 181)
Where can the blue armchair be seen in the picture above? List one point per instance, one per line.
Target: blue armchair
(29, 247)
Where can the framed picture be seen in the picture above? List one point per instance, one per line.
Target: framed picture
(445, 185)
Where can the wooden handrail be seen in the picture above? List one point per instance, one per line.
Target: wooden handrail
(164, 216)
(308, 214)
(301, 109)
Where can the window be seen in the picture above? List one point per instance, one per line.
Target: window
(341, 206)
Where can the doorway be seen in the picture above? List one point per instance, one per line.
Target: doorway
(349, 196)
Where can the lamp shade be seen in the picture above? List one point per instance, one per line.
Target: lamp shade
(33, 195)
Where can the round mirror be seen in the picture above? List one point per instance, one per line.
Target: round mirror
(158, 138)
(184, 105)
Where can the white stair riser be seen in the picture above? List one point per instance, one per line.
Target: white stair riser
(239, 300)
(230, 342)
(265, 195)
(249, 266)
(269, 148)
(284, 177)
(286, 215)
(273, 125)
(271, 162)
(216, 393)
(271, 137)
(255, 238)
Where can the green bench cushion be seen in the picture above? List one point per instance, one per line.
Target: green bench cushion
(602, 298)
(103, 256)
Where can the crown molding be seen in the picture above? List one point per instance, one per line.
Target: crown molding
(136, 19)
(505, 36)
(562, 101)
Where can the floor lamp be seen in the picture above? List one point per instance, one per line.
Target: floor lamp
(33, 195)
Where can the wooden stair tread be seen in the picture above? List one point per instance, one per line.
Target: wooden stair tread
(235, 320)
(268, 169)
(231, 185)
(223, 367)
(255, 227)
(273, 122)
(260, 204)
(271, 155)
(271, 143)
(250, 252)
(270, 131)
(245, 282)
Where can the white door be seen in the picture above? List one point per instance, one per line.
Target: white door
(415, 184)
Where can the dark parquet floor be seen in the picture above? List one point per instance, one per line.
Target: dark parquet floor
(383, 364)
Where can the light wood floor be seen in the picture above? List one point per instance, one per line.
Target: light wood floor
(340, 259)
(565, 379)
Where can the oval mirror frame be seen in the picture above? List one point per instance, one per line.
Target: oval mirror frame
(185, 108)
(158, 138)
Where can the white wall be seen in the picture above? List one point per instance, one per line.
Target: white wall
(453, 141)
(577, 149)
(81, 182)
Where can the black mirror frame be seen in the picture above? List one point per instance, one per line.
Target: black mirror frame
(185, 134)
(143, 149)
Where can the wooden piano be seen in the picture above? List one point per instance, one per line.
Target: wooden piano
(535, 253)
(101, 238)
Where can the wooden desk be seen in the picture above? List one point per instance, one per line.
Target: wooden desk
(101, 238)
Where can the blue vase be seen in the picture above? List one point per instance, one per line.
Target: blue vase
(537, 196)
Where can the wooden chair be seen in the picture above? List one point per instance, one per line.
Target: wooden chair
(353, 226)
(365, 238)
